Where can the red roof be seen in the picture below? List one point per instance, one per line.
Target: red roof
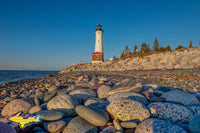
(97, 53)
(99, 25)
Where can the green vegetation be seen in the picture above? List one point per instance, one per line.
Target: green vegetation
(145, 50)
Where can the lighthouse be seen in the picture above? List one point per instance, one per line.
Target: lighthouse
(97, 56)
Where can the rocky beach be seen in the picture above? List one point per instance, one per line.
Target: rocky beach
(91, 98)
(140, 101)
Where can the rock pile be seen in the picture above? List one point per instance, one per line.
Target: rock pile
(92, 103)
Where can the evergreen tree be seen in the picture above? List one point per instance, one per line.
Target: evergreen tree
(156, 45)
(143, 47)
(135, 49)
(148, 50)
(168, 48)
(179, 47)
(122, 55)
(114, 57)
(127, 51)
(190, 46)
(162, 49)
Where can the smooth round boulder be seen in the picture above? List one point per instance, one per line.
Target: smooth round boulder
(56, 127)
(194, 124)
(5, 128)
(50, 115)
(79, 125)
(103, 91)
(128, 95)
(158, 126)
(181, 97)
(49, 96)
(63, 101)
(127, 109)
(15, 106)
(95, 117)
(172, 112)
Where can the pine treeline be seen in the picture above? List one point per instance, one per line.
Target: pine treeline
(145, 49)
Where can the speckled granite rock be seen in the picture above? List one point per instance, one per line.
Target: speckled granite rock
(79, 125)
(95, 117)
(181, 97)
(83, 94)
(15, 106)
(128, 95)
(194, 124)
(126, 109)
(158, 126)
(63, 101)
(50, 115)
(172, 112)
(103, 91)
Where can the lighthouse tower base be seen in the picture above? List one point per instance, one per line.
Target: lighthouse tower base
(97, 57)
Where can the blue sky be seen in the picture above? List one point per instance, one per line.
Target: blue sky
(53, 34)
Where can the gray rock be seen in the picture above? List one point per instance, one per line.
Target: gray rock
(79, 125)
(83, 94)
(5, 128)
(181, 97)
(126, 109)
(195, 124)
(50, 115)
(169, 111)
(128, 95)
(157, 99)
(95, 117)
(194, 108)
(129, 124)
(127, 86)
(15, 106)
(103, 91)
(158, 126)
(49, 96)
(109, 129)
(63, 101)
(96, 103)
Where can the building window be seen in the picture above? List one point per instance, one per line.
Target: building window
(97, 57)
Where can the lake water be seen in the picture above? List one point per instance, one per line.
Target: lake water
(15, 75)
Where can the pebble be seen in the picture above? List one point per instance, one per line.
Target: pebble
(35, 109)
(56, 127)
(157, 99)
(49, 96)
(95, 117)
(103, 91)
(129, 124)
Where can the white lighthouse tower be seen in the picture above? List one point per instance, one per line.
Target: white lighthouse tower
(97, 56)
